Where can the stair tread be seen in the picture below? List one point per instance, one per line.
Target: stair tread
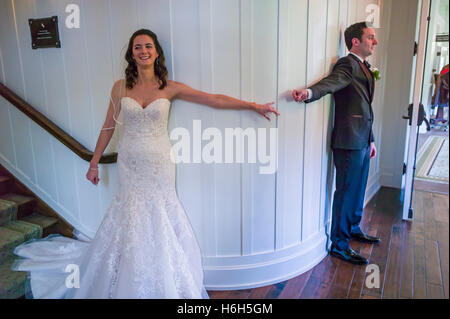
(15, 233)
(17, 198)
(25, 204)
(41, 220)
(12, 283)
(9, 240)
(29, 230)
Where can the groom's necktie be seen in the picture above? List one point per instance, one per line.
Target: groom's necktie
(370, 79)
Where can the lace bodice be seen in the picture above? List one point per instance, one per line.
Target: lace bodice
(151, 120)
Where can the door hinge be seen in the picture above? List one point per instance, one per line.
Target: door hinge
(404, 169)
(415, 48)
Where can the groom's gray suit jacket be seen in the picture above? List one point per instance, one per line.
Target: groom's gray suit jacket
(352, 85)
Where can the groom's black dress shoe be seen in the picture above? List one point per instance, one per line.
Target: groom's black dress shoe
(348, 255)
(364, 238)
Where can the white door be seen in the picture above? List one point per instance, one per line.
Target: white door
(418, 79)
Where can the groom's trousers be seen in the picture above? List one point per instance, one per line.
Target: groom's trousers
(352, 170)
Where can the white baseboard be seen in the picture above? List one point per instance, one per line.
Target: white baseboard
(245, 272)
(373, 185)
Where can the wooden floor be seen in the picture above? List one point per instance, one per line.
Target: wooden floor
(413, 257)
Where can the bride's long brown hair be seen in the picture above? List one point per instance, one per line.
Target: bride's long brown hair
(131, 72)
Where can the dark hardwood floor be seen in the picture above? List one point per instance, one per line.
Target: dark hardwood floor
(413, 257)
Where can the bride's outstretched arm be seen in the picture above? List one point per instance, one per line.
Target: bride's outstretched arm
(219, 101)
(105, 135)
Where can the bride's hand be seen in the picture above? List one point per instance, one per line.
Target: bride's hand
(92, 175)
(265, 109)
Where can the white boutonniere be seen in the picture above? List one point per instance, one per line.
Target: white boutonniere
(376, 73)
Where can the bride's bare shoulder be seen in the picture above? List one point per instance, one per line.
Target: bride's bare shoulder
(173, 84)
(172, 88)
(119, 88)
(175, 87)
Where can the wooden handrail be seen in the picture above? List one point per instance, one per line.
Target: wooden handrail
(52, 128)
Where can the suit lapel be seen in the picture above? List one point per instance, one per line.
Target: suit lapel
(369, 77)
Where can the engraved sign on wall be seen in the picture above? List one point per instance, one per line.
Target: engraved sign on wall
(44, 33)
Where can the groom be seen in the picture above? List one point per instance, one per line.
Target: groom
(352, 84)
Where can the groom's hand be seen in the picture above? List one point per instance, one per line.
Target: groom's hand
(300, 95)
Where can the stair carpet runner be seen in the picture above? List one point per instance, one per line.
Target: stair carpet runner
(18, 223)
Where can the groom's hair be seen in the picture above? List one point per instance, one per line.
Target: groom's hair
(354, 31)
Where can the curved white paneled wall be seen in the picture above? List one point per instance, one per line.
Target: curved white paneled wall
(253, 229)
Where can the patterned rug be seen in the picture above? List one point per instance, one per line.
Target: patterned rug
(433, 161)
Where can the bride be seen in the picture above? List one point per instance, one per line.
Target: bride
(145, 246)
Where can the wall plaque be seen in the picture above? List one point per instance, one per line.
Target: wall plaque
(442, 37)
(44, 33)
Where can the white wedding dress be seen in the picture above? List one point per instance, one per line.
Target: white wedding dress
(145, 246)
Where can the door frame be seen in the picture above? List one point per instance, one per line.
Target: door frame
(417, 95)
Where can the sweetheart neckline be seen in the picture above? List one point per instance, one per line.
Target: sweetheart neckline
(142, 107)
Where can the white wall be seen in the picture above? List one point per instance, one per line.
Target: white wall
(253, 229)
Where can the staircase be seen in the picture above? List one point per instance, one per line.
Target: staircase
(23, 217)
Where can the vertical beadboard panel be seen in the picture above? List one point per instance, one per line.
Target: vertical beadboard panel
(332, 55)
(314, 122)
(55, 79)
(246, 21)
(352, 12)
(95, 25)
(343, 18)
(76, 64)
(226, 79)
(6, 140)
(186, 47)
(14, 79)
(32, 73)
(259, 189)
(379, 61)
(376, 61)
(293, 34)
(208, 240)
